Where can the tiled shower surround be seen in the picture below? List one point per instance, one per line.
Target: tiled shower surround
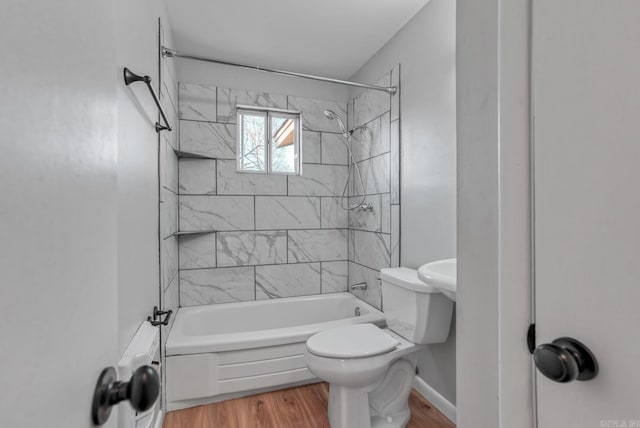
(374, 237)
(270, 236)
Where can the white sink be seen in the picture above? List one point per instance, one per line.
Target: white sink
(441, 275)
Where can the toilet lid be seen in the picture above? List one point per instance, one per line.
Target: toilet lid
(354, 341)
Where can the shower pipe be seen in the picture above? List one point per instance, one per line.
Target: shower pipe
(171, 53)
(129, 78)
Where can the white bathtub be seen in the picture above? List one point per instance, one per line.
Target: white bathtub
(217, 352)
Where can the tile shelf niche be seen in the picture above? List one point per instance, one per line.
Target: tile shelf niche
(182, 154)
(193, 232)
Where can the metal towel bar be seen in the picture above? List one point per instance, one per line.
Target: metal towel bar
(130, 77)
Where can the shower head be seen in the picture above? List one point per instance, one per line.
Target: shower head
(331, 115)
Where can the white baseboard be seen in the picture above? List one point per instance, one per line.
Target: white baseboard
(434, 397)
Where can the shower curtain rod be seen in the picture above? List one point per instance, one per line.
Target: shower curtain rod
(171, 53)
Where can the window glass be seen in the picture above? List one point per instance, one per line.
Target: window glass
(284, 144)
(253, 147)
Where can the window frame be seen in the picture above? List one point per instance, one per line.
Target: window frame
(268, 113)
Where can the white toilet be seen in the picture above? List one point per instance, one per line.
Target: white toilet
(370, 370)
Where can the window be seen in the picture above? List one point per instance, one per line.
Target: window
(268, 140)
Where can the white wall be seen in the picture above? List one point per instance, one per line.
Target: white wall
(138, 242)
(425, 50)
(494, 381)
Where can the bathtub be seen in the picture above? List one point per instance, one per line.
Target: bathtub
(218, 352)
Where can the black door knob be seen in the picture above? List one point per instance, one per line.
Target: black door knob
(565, 360)
(143, 388)
(142, 391)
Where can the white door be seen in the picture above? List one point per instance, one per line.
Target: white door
(58, 210)
(586, 106)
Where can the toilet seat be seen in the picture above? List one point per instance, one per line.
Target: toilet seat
(355, 341)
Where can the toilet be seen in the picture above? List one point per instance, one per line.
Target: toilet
(370, 370)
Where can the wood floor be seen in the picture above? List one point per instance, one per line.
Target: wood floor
(302, 407)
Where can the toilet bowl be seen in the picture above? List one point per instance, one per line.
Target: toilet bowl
(355, 376)
(370, 370)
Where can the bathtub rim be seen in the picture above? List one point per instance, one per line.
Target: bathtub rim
(179, 344)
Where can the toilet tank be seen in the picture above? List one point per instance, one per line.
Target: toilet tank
(416, 311)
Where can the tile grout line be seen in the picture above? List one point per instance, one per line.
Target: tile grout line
(178, 161)
(216, 236)
(216, 103)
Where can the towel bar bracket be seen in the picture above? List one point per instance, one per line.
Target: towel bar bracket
(157, 320)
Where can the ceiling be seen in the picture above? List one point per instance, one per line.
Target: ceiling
(329, 37)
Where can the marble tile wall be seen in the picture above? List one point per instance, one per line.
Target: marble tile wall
(279, 236)
(374, 236)
(317, 245)
(287, 280)
(274, 235)
(224, 285)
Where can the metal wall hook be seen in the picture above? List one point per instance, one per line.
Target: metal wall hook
(142, 391)
(130, 77)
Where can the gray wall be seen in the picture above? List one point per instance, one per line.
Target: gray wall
(137, 167)
(425, 50)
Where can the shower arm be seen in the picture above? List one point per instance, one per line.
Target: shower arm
(171, 53)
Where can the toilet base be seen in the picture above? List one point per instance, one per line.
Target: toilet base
(382, 405)
(396, 421)
(348, 407)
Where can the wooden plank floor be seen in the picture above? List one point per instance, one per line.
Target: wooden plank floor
(302, 407)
